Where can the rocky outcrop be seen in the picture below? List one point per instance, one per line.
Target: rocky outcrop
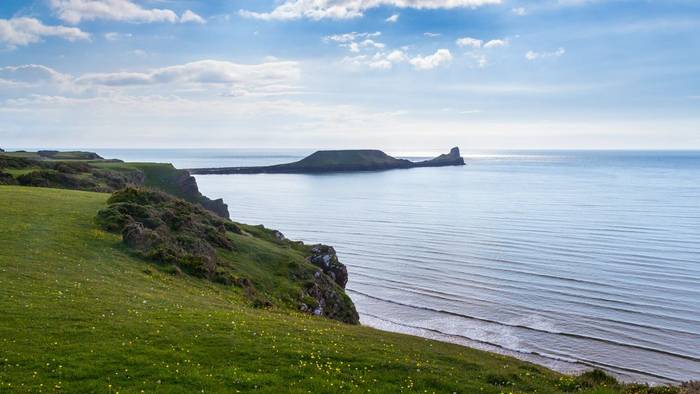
(323, 297)
(340, 161)
(451, 159)
(186, 188)
(326, 292)
(324, 257)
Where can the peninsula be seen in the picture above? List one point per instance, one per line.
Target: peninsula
(326, 161)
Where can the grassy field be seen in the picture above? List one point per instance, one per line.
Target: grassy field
(80, 314)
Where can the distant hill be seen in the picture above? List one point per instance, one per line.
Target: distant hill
(340, 161)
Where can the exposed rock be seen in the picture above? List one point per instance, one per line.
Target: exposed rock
(451, 159)
(325, 257)
(217, 206)
(325, 298)
(325, 295)
(189, 191)
(278, 235)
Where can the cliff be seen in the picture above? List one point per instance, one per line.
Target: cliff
(89, 172)
(340, 161)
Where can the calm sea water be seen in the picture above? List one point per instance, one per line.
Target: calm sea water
(567, 259)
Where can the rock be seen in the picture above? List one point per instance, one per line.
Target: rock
(327, 288)
(278, 235)
(451, 159)
(217, 206)
(329, 300)
(325, 257)
(188, 190)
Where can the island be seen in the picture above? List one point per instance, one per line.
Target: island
(325, 161)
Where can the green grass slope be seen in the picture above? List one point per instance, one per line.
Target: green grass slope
(79, 313)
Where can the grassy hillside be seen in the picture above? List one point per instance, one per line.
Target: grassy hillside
(80, 313)
(88, 171)
(326, 158)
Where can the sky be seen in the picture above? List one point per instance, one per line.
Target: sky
(388, 74)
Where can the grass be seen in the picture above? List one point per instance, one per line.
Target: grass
(161, 176)
(82, 314)
(16, 172)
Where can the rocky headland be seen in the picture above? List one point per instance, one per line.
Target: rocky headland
(327, 161)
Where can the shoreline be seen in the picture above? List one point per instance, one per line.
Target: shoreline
(571, 368)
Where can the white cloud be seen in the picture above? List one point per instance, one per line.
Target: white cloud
(520, 11)
(431, 35)
(220, 77)
(346, 9)
(213, 73)
(495, 44)
(32, 74)
(469, 42)
(385, 60)
(24, 31)
(75, 11)
(114, 36)
(351, 41)
(392, 19)
(531, 55)
(396, 56)
(348, 37)
(480, 59)
(439, 58)
(372, 43)
(190, 17)
(379, 61)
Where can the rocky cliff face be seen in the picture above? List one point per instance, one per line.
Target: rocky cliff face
(189, 190)
(451, 159)
(329, 301)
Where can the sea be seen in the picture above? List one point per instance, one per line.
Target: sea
(568, 259)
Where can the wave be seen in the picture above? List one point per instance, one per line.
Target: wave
(559, 358)
(529, 328)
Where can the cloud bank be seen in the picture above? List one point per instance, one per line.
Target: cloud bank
(76, 11)
(24, 31)
(347, 9)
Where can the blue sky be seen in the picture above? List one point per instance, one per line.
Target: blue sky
(391, 74)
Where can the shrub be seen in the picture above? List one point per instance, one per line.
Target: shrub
(7, 179)
(168, 230)
(54, 179)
